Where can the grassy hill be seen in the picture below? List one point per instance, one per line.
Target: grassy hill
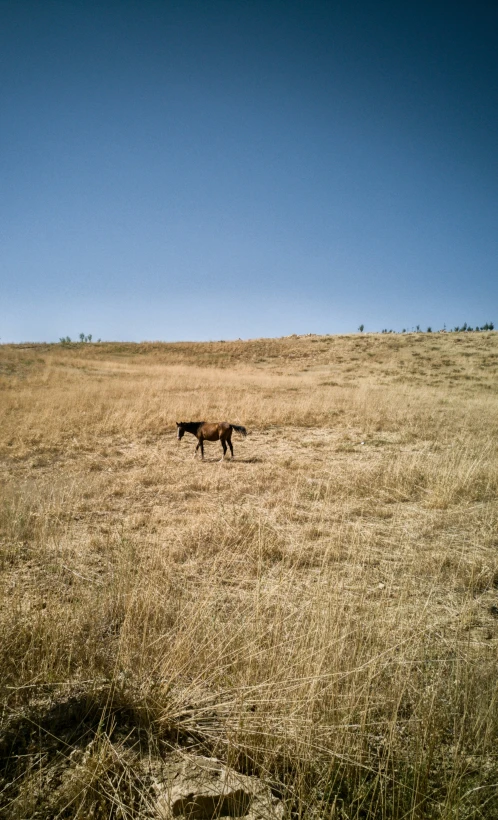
(322, 611)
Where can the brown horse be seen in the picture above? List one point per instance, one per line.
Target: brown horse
(210, 431)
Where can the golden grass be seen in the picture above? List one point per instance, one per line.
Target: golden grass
(321, 611)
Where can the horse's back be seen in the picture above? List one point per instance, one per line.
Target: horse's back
(213, 430)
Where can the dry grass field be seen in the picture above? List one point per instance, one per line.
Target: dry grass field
(322, 611)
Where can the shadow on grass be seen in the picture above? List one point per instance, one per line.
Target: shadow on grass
(236, 460)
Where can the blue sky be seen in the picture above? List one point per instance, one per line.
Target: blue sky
(207, 170)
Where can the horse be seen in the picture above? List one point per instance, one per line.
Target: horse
(210, 431)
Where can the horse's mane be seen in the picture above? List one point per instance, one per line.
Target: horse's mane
(191, 426)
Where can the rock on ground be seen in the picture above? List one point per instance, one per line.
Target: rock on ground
(203, 788)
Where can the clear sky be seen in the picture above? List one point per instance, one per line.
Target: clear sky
(215, 169)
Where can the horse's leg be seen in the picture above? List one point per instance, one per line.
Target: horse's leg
(223, 444)
(201, 442)
(229, 440)
(195, 451)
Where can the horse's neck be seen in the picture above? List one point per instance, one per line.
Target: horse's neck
(193, 426)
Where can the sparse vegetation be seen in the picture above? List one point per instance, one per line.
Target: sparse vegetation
(66, 340)
(321, 611)
(457, 329)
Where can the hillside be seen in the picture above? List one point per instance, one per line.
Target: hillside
(321, 612)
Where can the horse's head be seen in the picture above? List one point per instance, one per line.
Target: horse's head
(180, 429)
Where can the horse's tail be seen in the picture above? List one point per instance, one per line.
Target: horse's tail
(239, 429)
